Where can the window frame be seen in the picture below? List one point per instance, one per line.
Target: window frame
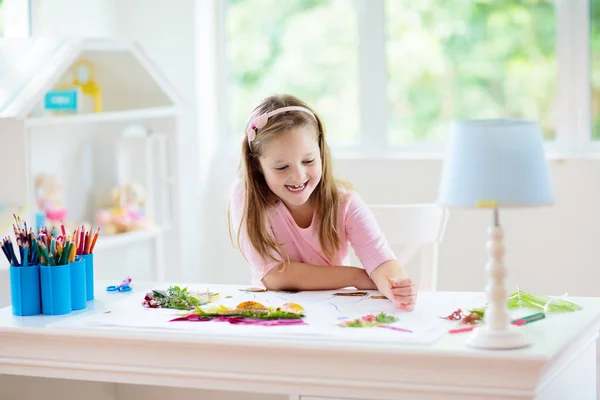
(574, 85)
(573, 135)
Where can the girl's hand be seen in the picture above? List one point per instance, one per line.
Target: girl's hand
(403, 293)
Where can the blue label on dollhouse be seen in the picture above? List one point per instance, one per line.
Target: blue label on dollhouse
(61, 100)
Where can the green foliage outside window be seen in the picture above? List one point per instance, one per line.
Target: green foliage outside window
(469, 59)
(307, 48)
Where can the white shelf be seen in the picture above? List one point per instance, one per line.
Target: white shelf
(113, 241)
(135, 92)
(108, 116)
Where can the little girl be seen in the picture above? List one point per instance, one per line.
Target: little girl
(294, 221)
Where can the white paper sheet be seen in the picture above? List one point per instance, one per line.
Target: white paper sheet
(323, 310)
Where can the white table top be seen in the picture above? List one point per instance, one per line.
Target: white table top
(547, 336)
(232, 350)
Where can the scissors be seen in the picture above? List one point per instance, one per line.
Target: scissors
(124, 286)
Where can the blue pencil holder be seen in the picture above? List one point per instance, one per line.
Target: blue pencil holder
(78, 284)
(25, 290)
(56, 289)
(89, 275)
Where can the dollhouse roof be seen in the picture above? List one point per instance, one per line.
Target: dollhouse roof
(128, 78)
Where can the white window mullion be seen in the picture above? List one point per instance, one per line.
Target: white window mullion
(211, 82)
(573, 111)
(372, 75)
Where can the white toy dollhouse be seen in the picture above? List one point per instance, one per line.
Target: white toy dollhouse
(96, 115)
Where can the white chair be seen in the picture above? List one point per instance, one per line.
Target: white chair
(414, 232)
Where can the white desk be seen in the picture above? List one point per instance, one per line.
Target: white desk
(560, 364)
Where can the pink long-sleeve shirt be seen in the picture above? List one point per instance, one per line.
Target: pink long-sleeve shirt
(356, 227)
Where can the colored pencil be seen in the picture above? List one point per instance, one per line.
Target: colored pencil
(518, 322)
(25, 261)
(94, 241)
(528, 319)
(88, 242)
(395, 328)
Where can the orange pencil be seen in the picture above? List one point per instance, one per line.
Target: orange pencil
(94, 241)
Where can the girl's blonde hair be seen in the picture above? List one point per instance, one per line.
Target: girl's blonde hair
(257, 195)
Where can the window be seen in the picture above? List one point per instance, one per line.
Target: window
(595, 67)
(391, 74)
(468, 60)
(303, 47)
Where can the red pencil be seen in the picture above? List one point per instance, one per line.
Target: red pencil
(86, 246)
(81, 240)
(463, 329)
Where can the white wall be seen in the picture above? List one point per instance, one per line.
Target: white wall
(548, 250)
(93, 18)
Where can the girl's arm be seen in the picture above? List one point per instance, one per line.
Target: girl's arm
(300, 276)
(376, 256)
(393, 282)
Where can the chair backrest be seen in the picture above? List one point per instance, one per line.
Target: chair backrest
(414, 231)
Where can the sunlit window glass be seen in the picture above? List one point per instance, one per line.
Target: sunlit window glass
(468, 59)
(595, 68)
(307, 48)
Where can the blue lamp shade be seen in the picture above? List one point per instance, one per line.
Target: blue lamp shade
(495, 163)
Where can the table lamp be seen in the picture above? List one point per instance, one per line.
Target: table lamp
(495, 164)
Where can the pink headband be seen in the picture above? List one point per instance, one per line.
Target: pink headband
(260, 121)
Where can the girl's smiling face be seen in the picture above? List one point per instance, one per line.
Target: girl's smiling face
(291, 164)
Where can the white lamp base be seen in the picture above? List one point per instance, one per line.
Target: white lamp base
(485, 338)
(497, 331)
